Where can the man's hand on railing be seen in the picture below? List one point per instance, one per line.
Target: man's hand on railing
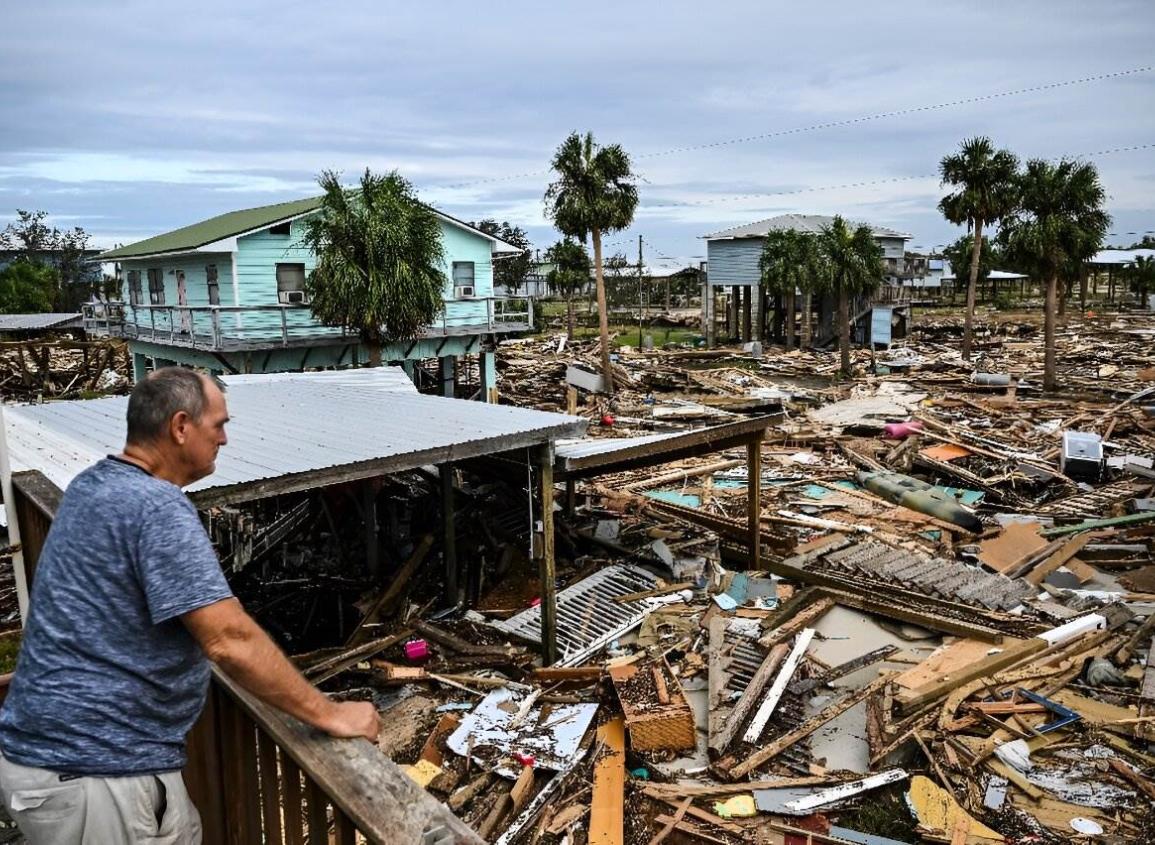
(350, 719)
(241, 648)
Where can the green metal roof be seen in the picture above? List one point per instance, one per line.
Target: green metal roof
(214, 229)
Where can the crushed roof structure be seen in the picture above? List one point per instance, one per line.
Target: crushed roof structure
(809, 223)
(294, 431)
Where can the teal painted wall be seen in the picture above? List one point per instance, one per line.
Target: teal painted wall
(279, 360)
(196, 287)
(258, 255)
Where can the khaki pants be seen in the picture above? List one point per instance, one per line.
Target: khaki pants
(98, 811)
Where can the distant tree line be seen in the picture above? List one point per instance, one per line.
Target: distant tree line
(1050, 221)
(44, 268)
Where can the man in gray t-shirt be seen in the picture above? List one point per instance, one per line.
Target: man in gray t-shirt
(129, 605)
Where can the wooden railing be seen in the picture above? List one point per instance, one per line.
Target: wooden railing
(232, 327)
(260, 777)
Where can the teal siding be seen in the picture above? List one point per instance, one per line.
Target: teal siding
(259, 253)
(734, 262)
(196, 287)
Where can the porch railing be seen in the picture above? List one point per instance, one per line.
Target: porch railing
(217, 328)
(257, 775)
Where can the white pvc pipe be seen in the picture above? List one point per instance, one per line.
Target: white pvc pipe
(1076, 627)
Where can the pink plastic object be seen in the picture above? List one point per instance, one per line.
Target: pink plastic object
(416, 650)
(902, 430)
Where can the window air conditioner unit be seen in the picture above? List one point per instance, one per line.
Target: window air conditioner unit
(464, 292)
(294, 297)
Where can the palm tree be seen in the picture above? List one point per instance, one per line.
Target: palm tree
(1060, 224)
(380, 263)
(571, 272)
(783, 266)
(593, 194)
(777, 264)
(1142, 275)
(814, 278)
(855, 260)
(985, 178)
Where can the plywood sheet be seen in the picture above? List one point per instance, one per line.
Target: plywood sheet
(938, 811)
(947, 659)
(1017, 541)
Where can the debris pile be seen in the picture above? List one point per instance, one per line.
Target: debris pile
(951, 638)
(48, 368)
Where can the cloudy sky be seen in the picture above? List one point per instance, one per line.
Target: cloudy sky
(133, 118)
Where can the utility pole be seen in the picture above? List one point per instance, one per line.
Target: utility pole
(641, 299)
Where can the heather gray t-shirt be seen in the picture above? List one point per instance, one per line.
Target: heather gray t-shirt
(109, 680)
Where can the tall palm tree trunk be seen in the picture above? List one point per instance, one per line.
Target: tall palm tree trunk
(844, 330)
(374, 354)
(789, 318)
(807, 331)
(1049, 309)
(603, 314)
(969, 319)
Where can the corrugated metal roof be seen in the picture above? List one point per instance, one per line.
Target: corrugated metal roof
(811, 223)
(294, 432)
(588, 447)
(235, 223)
(214, 229)
(36, 322)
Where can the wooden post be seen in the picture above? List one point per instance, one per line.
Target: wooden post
(449, 534)
(570, 497)
(369, 513)
(546, 564)
(754, 500)
(747, 297)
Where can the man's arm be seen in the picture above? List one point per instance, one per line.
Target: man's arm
(240, 647)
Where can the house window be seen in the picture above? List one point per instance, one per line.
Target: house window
(156, 286)
(281, 229)
(214, 285)
(291, 284)
(134, 292)
(463, 279)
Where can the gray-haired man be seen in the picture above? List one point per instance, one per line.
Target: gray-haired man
(128, 607)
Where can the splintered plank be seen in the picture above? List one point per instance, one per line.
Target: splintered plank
(607, 807)
(735, 770)
(1017, 542)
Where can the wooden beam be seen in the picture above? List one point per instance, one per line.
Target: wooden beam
(749, 700)
(769, 752)
(396, 587)
(911, 700)
(754, 500)
(547, 571)
(449, 534)
(607, 805)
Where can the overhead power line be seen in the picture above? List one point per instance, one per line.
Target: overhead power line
(846, 122)
(864, 183)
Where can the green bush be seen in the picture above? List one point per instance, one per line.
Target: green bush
(27, 288)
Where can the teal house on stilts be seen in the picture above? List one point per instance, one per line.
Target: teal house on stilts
(228, 295)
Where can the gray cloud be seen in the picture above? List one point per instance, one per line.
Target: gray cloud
(137, 117)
